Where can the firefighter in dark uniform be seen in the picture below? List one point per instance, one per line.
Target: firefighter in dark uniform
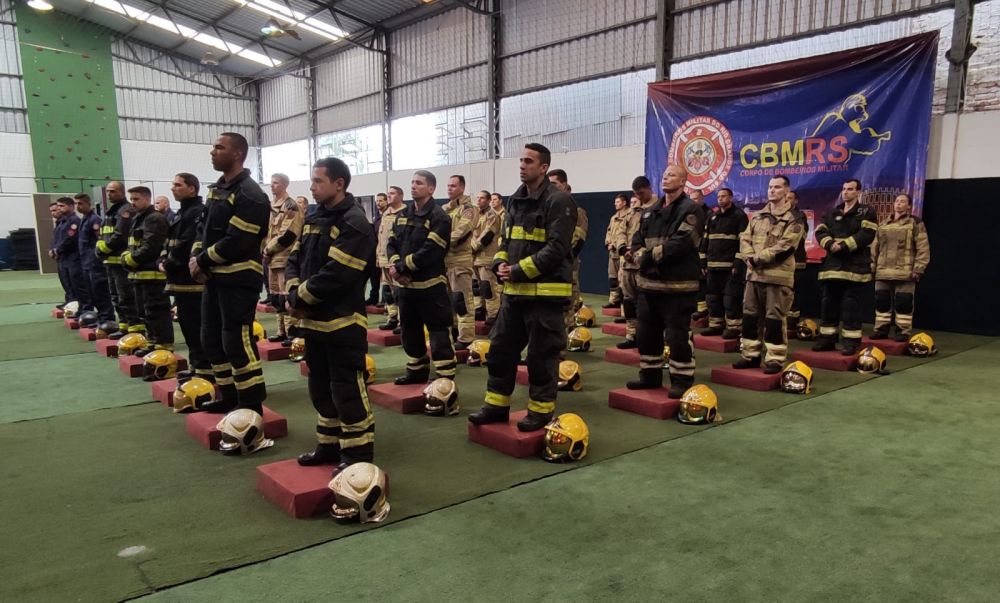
(226, 257)
(325, 279)
(114, 241)
(535, 265)
(174, 264)
(846, 233)
(666, 250)
(723, 266)
(800, 264)
(416, 249)
(145, 243)
(95, 276)
(66, 251)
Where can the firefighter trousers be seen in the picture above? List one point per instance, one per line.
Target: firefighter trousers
(841, 303)
(666, 318)
(153, 304)
(765, 308)
(227, 315)
(189, 318)
(894, 300)
(122, 296)
(430, 308)
(724, 293)
(339, 395)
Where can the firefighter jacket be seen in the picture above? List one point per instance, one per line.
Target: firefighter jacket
(65, 241)
(145, 243)
(486, 237)
(327, 273)
(855, 230)
(666, 247)
(418, 244)
(616, 230)
(580, 231)
(633, 219)
(720, 247)
(229, 240)
(384, 231)
(114, 232)
(900, 249)
(800, 252)
(177, 251)
(283, 231)
(537, 235)
(463, 214)
(90, 233)
(769, 244)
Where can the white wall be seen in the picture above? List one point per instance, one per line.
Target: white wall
(17, 173)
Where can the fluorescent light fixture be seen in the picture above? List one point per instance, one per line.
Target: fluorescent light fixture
(40, 5)
(295, 19)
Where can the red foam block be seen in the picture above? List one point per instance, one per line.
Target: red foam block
(613, 328)
(88, 334)
(131, 366)
(303, 368)
(716, 344)
(611, 311)
(629, 357)
(297, 490)
(506, 438)
(405, 399)
(482, 329)
(889, 346)
(163, 391)
(831, 361)
(71, 323)
(522, 375)
(265, 308)
(374, 310)
(273, 350)
(57, 313)
(107, 347)
(384, 338)
(752, 378)
(646, 402)
(201, 427)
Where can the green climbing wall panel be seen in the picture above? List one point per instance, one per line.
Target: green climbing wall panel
(72, 110)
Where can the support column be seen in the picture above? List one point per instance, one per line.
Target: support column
(664, 40)
(958, 55)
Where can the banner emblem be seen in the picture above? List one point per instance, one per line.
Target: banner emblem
(704, 146)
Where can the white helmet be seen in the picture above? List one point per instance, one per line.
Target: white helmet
(441, 398)
(242, 432)
(359, 494)
(71, 309)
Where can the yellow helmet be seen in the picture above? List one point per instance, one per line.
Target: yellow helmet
(921, 345)
(441, 398)
(159, 364)
(579, 340)
(192, 394)
(699, 405)
(297, 351)
(369, 369)
(479, 352)
(359, 494)
(131, 342)
(807, 329)
(797, 378)
(570, 376)
(71, 309)
(871, 360)
(666, 353)
(585, 317)
(567, 438)
(242, 432)
(259, 332)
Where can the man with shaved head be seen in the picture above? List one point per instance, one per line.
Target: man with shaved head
(666, 251)
(162, 205)
(114, 241)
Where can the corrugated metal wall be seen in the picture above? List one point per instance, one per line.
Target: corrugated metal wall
(348, 90)
(156, 102)
(13, 116)
(284, 107)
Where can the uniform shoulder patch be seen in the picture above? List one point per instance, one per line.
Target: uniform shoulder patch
(691, 219)
(72, 226)
(125, 214)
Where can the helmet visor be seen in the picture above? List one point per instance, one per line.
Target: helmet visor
(689, 412)
(793, 382)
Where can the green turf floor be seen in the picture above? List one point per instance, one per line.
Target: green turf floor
(92, 467)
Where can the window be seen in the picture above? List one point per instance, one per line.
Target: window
(360, 149)
(449, 137)
(291, 159)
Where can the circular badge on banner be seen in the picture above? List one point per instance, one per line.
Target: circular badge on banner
(704, 146)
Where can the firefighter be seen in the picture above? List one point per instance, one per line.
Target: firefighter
(800, 264)
(615, 227)
(394, 205)
(698, 196)
(66, 251)
(416, 248)
(326, 277)
(665, 248)
(95, 277)
(485, 242)
(114, 241)
(723, 267)
(174, 264)
(226, 257)
(284, 229)
(643, 199)
(497, 204)
(559, 178)
(768, 247)
(145, 243)
(458, 261)
(846, 233)
(535, 265)
(900, 255)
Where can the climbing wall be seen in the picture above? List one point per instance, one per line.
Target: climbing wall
(72, 110)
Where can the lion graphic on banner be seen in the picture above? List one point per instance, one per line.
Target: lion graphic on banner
(853, 112)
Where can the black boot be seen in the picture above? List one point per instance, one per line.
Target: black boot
(609, 305)
(850, 347)
(534, 421)
(411, 377)
(620, 320)
(480, 314)
(391, 324)
(730, 334)
(901, 338)
(490, 414)
(218, 407)
(277, 338)
(747, 363)
(628, 344)
(117, 335)
(772, 368)
(824, 344)
(648, 379)
(678, 386)
(882, 333)
(712, 332)
(323, 454)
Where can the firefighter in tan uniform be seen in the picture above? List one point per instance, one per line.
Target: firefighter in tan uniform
(458, 261)
(642, 200)
(485, 242)
(394, 207)
(900, 255)
(283, 232)
(559, 178)
(615, 230)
